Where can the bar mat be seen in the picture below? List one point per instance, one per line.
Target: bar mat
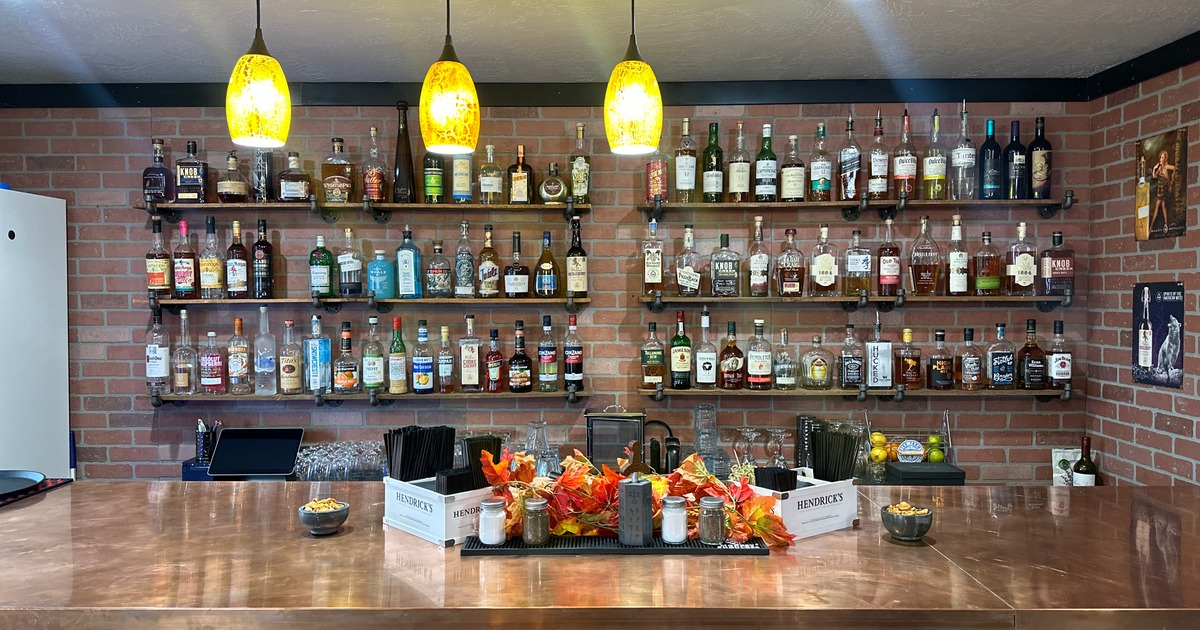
(48, 484)
(603, 546)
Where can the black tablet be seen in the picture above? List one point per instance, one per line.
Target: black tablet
(255, 452)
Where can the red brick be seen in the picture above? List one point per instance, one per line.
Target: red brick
(105, 471)
(1175, 424)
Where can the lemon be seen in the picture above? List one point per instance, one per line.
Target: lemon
(878, 439)
(936, 455)
(879, 454)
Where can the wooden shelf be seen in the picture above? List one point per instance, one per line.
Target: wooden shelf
(571, 305)
(888, 393)
(1043, 303)
(380, 212)
(334, 400)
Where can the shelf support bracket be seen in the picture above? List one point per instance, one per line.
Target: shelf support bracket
(657, 210)
(155, 305)
(373, 394)
(887, 307)
(156, 401)
(658, 394)
(1049, 210)
(318, 400)
(852, 213)
(657, 305)
(1046, 306)
(571, 305)
(327, 215)
(862, 392)
(891, 212)
(380, 216)
(572, 394)
(170, 215)
(899, 395)
(569, 211)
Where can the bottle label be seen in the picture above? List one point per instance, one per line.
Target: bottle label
(1063, 267)
(877, 185)
(439, 281)
(957, 262)
(239, 361)
(1033, 372)
(935, 167)
(157, 270)
(577, 274)
(262, 269)
(489, 279)
(580, 172)
(230, 187)
(1060, 366)
(346, 376)
(573, 360)
(264, 362)
(293, 190)
(685, 172)
(210, 371)
(851, 370)
(963, 157)
(824, 270)
(290, 369)
(706, 368)
(758, 366)
(547, 363)
(434, 181)
(406, 272)
(905, 167)
(656, 179)
(858, 263)
(464, 275)
(879, 166)
(373, 179)
(349, 262)
(889, 270)
(941, 373)
(1083, 479)
(987, 283)
(1000, 364)
(182, 380)
(990, 178)
(494, 367)
(157, 361)
(546, 280)
(849, 163)
(422, 374)
(652, 265)
(714, 182)
(235, 275)
(681, 359)
(791, 184)
(154, 184)
(725, 277)
(337, 189)
(490, 184)
(397, 373)
(193, 176)
(731, 369)
(316, 362)
(518, 189)
(688, 278)
(1146, 347)
(210, 273)
(516, 284)
(1023, 270)
(445, 371)
(1016, 166)
(822, 175)
(972, 370)
(519, 376)
(651, 357)
(373, 371)
(739, 177)
(759, 264)
(185, 274)
(785, 382)
(1039, 170)
(460, 176)
(764, 175)
(879, 363)
(818, 370)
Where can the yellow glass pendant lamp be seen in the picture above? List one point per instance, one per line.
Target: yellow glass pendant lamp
(633, 104)
(449, 106)
(258, 105)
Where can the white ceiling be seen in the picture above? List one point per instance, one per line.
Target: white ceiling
(186, 41)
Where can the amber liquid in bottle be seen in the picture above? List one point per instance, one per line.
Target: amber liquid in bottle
(494, 373)
(237, 266)
(732, 362)
(908, 363)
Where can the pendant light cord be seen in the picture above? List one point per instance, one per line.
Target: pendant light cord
(632, 17)
(447, 18)
(258, 14)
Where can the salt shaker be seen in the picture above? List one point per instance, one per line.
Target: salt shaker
(674, 520)
(491, 521)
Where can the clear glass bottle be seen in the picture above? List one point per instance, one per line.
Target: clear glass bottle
(439, 276)
(758, 263)
(688, 266)
(986, 266)
(158, 183)
(294, 182)
(963, 172)
(878, 181)
(423, 366)
(792, 173)
(958, 262)
(469, 358)
(925, 263)
(681, 356)
(318, 375)
(446, 379)
(732, 363)
(1058, 359)
(652, 260)
(858, 267)
(546, 272)
(887, 283)
(850, 172)
(785, 364)
(185, 369)
(908, 370)
(705, 356)
(381, 276)
(820, 169)
(1000, 364)
(904, 163)
(185, 264)
(409, 274)
(823, 266)
(553, 190)
(374, 172)
(685, 166)
(939, 367)
(464, 263)
(232, 186)
(212, 367)
(238, 354)
(347, 377)
(337, 175)
(1031, 360)
(264, 357)
(291, 361)
(1020, 278)
(516, 273)
(581, 169)
(816, 366)
(766, 171)
(547, 358)
(969, 362)
(158, 357)
(653, 365)
(933, 163)
(739, 168)
(759, 359)
(725, 271)
(851, 361)
(212, 264)
(491, 179)
(789, 267)
(714, 167)
(397, 360)
(573, 356)
(320, 270)
(350, 267)
(489, 266)
(374, 365)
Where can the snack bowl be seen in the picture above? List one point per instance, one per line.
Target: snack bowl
(908, 528)
(325, 522)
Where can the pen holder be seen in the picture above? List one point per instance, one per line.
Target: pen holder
(203, 446)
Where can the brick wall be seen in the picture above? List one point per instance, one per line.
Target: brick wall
(93, 158)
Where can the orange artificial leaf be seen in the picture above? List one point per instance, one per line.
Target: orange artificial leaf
(568, 527)
(496, 473)
(764, 523)
(524, 468)
(740, 491)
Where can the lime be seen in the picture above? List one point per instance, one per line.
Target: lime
(936, 455)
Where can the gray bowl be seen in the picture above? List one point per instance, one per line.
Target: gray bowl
(322, 523)
(906, 528)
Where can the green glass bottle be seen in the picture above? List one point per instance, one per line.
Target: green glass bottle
(435, 178)
(320, 270)
(765, 170)
(714, 168)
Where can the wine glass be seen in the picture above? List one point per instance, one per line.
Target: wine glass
(748, 435)
(777, 437)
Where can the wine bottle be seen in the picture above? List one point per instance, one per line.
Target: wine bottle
(1016, 169)
(1083, 473)
(404, 189)
(1040, 152)
(990, 165)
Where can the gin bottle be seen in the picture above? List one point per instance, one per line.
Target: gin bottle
(350, 267)
(408, 268)
(439, 277)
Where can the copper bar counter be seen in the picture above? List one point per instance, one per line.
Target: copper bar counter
(232, 555)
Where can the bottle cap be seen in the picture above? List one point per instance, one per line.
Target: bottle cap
(545, 321)
(493, 334)
(380, 252)
(653, 327)
(939, 335)
(1058, 327)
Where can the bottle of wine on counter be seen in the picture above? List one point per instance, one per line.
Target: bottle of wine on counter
(1058, 360)
(158, 357)
(823, 266)
(926, 263)
(291, 361)
(789, 267)
(858, 267)
(1083, 473)
(792, 173)
(318, 360)
(759, 357)
(963, 171)
(939, 369)
(337, 175)
(239, 360)
(374, 366)
(294, 182)
(1001, 362)
(904, 163)
(739, 168)
(1031, 360)
(264, 356)
(758, 262)
(1016, 168)
(347, 379)
(381, 276)
(159, 275)
(464, 263)
(469, 358)
(545, 280)
(439, 276)
(879, 183)
(681, 356)
(408, 268)
(212, 367)
(461, 178)
(580, 169)
(765, 170)
(1039, 161)
(397, 361)
(516, 273)
(652, 260)
(186, 265)
(573, 356)
(434, 166)
(820, 169)
(232, 186)
(934, 162)
(185, 368)
(320, 270)
(969, 364)
(577, 263)
(725, 271)
(958, 261)
(263, 285)
(489, 266)
(404, 186)
(422, 362)
(520, 179)
(520, 367)
(653, 367)
(850, 173)
(191, 177)
(685, 166)
(491, 179)
(732, 362)
(158, 183)
(446, 364)
(547, 358)
(1058, 268)
(350, 267)
(212, 264)
(237, 263)
(705, 356)
(374, 172)
(1020, 278)
(494, 365)
(714, 167)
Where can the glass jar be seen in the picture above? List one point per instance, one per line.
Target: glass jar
(491, 521)
(712, 521)
(674, 520)
(537, 523)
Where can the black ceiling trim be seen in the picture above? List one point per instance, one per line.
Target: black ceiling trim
(1177, 54)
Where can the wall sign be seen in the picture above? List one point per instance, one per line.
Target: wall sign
(1161, 198)
(1158, 333)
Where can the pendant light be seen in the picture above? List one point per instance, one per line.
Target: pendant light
(633, 104)
(449, 106)
(258, 105)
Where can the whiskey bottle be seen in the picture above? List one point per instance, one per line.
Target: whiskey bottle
(1031, 360)
(823, 266)
(792, 174)
(765, 170)
(759, 263)
(888, 281)
(291, 361)
(685, 166)
(264, 356)
(232, 186)
(1020, 278)
(652, 261)
(320, 270)
(337, 175)
(991, 165)
(191, 177)
(434, 170)
(237, 266)
(470, 358)
(350, 267)
(1016, 169)
(789, 267)
(714, 167)
(934, 162)
(969, 364)
(516, 274)
(158, 357)
(404, 185)
(238, 353)
(397, 361)
(785, 364)
(878, 183)
(547, 358)
(212, 264)
(446, 364)
(681, 356)
(409, 270)
(908, 363)
(553, 190)
(545, 280)
(958, 262)
(986, 267)
(263, 268)
(581, 169)
(904, 163)
(851, 362)
(262, 176)
(318, 360)
(963, 172)
(739, 168)
(374, 172)
(759, 358)
(577, 264)
(816, 366)
(374, 365)
(212, 367)
(858, 267)
(157, 181)
(464, 263)
(652, 359)
(1000, 365)
(185, 374)
(732, 363)
(658, 184)
(381, 277)
(439, 276)
(186, 266)
(573, 357)
(1040, 152)
(294, 182)
(925, 263)
(850, 166)
(939, 372)
(1058, 360)
(461, 178)
(489, 266)
(159, 275)
(725, 266)
(496, 379)
(687, 265)
(878, 359)
(423, 364)
(1058, 268)
(491, 179)
(820, 169)
(346, 376)
(705, 356)
(520, 179)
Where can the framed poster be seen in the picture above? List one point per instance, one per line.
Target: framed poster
(1158, 333)
(1161, 197)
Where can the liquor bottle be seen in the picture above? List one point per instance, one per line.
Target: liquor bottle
(318, 360)
(1016, 169)
(1039, 161)
(904, 163)
(547, 358)
(823, 266)
(495, 379)
(1020, 277)
(878, 182)
(1083, 473)
(211, 263)
(820, 169)
(346, 376)
(581, 169)
(933, 164)
(765, 170)
(185, 374)
(320, 270)
(963, 172)
(888, 281)
(191, 177)
(422, 362)
(685, 166)
(878, 359)
(958, 262)
(520, 368)
(294, 182)
(263, 279)
(908, 363)
(816, 366)
(705, 356)
(573, 357)
(789, 267)
(1058, 268)
(397, 361)
(969, 364)
(850, 174)
(1000, 366)
(553, 190)
(262, 176)
(159, 275)
(374, 172)
(714, 167)
(785, 364)
(404, 185)
(212, 367)
(337, 175)
(545, 279)
(991, 165)
(652, 260)
(491, 179)
(516, 273)
(658, 184)
(469, 358)
(759, 357)
(381, 277)
(1058, 360)
(185, 264)
(489, 266)
(939, 369)
(986, 268)
(925, 263)
(1145, 347)
(520, 179)
(238, 353)
(461, 178)
(445, 364)
(158, 184)
(858, 267)
(792, 174)
(1141, 225)
(652, 359)
(408, 268)
(158, 357)
(291, 361)
(374, 366)
(264, 356)
(464, 263)
(439, 277)
(350, 267)
(758, 263)
(434, 177)
(681, 356)
(725, 271)
(1031, 360)
(732, 363)
(851, 361)
(577, 263)
(739, 168)
(232, 186)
